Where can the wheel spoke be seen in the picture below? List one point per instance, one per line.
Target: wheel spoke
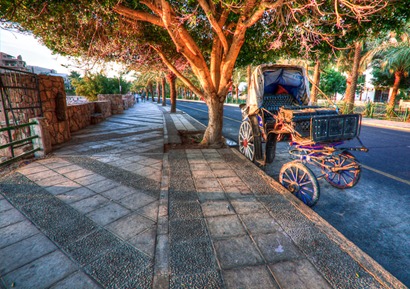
(289, 177)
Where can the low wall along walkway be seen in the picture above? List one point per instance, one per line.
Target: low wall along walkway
(62, 119)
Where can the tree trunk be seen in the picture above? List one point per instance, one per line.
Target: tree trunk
(315, 84)
(151, 90)
(249, 75)
(158, 90)
(237, 93)
(213, 132)
(350, 96)
(397, 79)
(164, 99)
(171, 77)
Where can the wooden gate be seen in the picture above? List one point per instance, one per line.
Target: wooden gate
(19, 102)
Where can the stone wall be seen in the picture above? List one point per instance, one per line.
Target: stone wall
(22, 93)
(128, 101)
(59, 120)
(79, 115)
(103, 107)
(53, 98)
(117, 105)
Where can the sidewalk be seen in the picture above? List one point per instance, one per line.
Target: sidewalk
(112, 209)
(398, 125)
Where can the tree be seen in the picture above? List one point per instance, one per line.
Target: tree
(392, 55)
(397, 62)
(332, 82)
(93, 84)
(352, 78)
(208, 34)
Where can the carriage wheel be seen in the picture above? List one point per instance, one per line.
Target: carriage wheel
(248, 143)
(271, 147)
(300, 181)
(342, 171)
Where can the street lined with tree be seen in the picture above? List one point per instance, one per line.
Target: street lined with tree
(208, 35)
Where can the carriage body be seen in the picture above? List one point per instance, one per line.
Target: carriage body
(278, 104)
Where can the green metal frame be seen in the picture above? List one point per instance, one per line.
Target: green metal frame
(9, 111)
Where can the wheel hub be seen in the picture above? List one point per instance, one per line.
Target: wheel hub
(245, 142)
(294, 187)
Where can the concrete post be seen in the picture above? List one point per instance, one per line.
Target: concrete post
(44, 140)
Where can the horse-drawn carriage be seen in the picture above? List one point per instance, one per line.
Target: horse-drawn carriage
(278, 105)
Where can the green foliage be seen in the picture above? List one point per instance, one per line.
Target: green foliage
(92, 85)
(369, 109)
(332, 82)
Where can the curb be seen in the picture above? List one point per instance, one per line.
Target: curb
(385, 125)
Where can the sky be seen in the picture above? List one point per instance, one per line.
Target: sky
(32, 52)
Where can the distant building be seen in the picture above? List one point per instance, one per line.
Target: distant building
(67, 82)
(41, 70)
(48, 71)
(12, 62)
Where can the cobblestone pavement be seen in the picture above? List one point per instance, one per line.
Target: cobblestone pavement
(112, 209)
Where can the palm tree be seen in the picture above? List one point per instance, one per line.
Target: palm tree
(394, 57)
(397, 62)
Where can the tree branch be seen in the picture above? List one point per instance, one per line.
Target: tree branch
(215, 24)
(138, 15)
(177, 73)
(256, 16)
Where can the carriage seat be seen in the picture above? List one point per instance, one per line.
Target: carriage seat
(274, 102)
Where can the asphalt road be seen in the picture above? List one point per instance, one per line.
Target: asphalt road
(375, 214)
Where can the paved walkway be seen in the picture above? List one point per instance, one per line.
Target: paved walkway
(112, 209)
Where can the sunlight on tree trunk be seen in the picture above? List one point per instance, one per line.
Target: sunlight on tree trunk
(354, 74)
(159, 90)
(397, 79)
(171, 78)
(213, 132)
(315, 84)
(164, 96)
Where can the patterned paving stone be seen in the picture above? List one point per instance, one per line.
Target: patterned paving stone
(217, 208)
(24, 252)
(62, 188)
(75, 195)
(102, 186)
(145, 241)
(247, 205)
(150, 211)
(277, 247)
(298, 274)
(92, 246)
(225, 226)
(211, 280)
(16, 232)
(136, 200)
(107, 214)
(260, 223)
(77, 280)
(251, 277)
(10, 217)
(42, 272)
(184, 210)
(230, 252)
(130, 226)
(187, 230)
(90, 204)
(4, 205)
(118, 192)
(122, 267)
(191, 257)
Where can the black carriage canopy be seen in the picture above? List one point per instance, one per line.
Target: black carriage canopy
(277, 79)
